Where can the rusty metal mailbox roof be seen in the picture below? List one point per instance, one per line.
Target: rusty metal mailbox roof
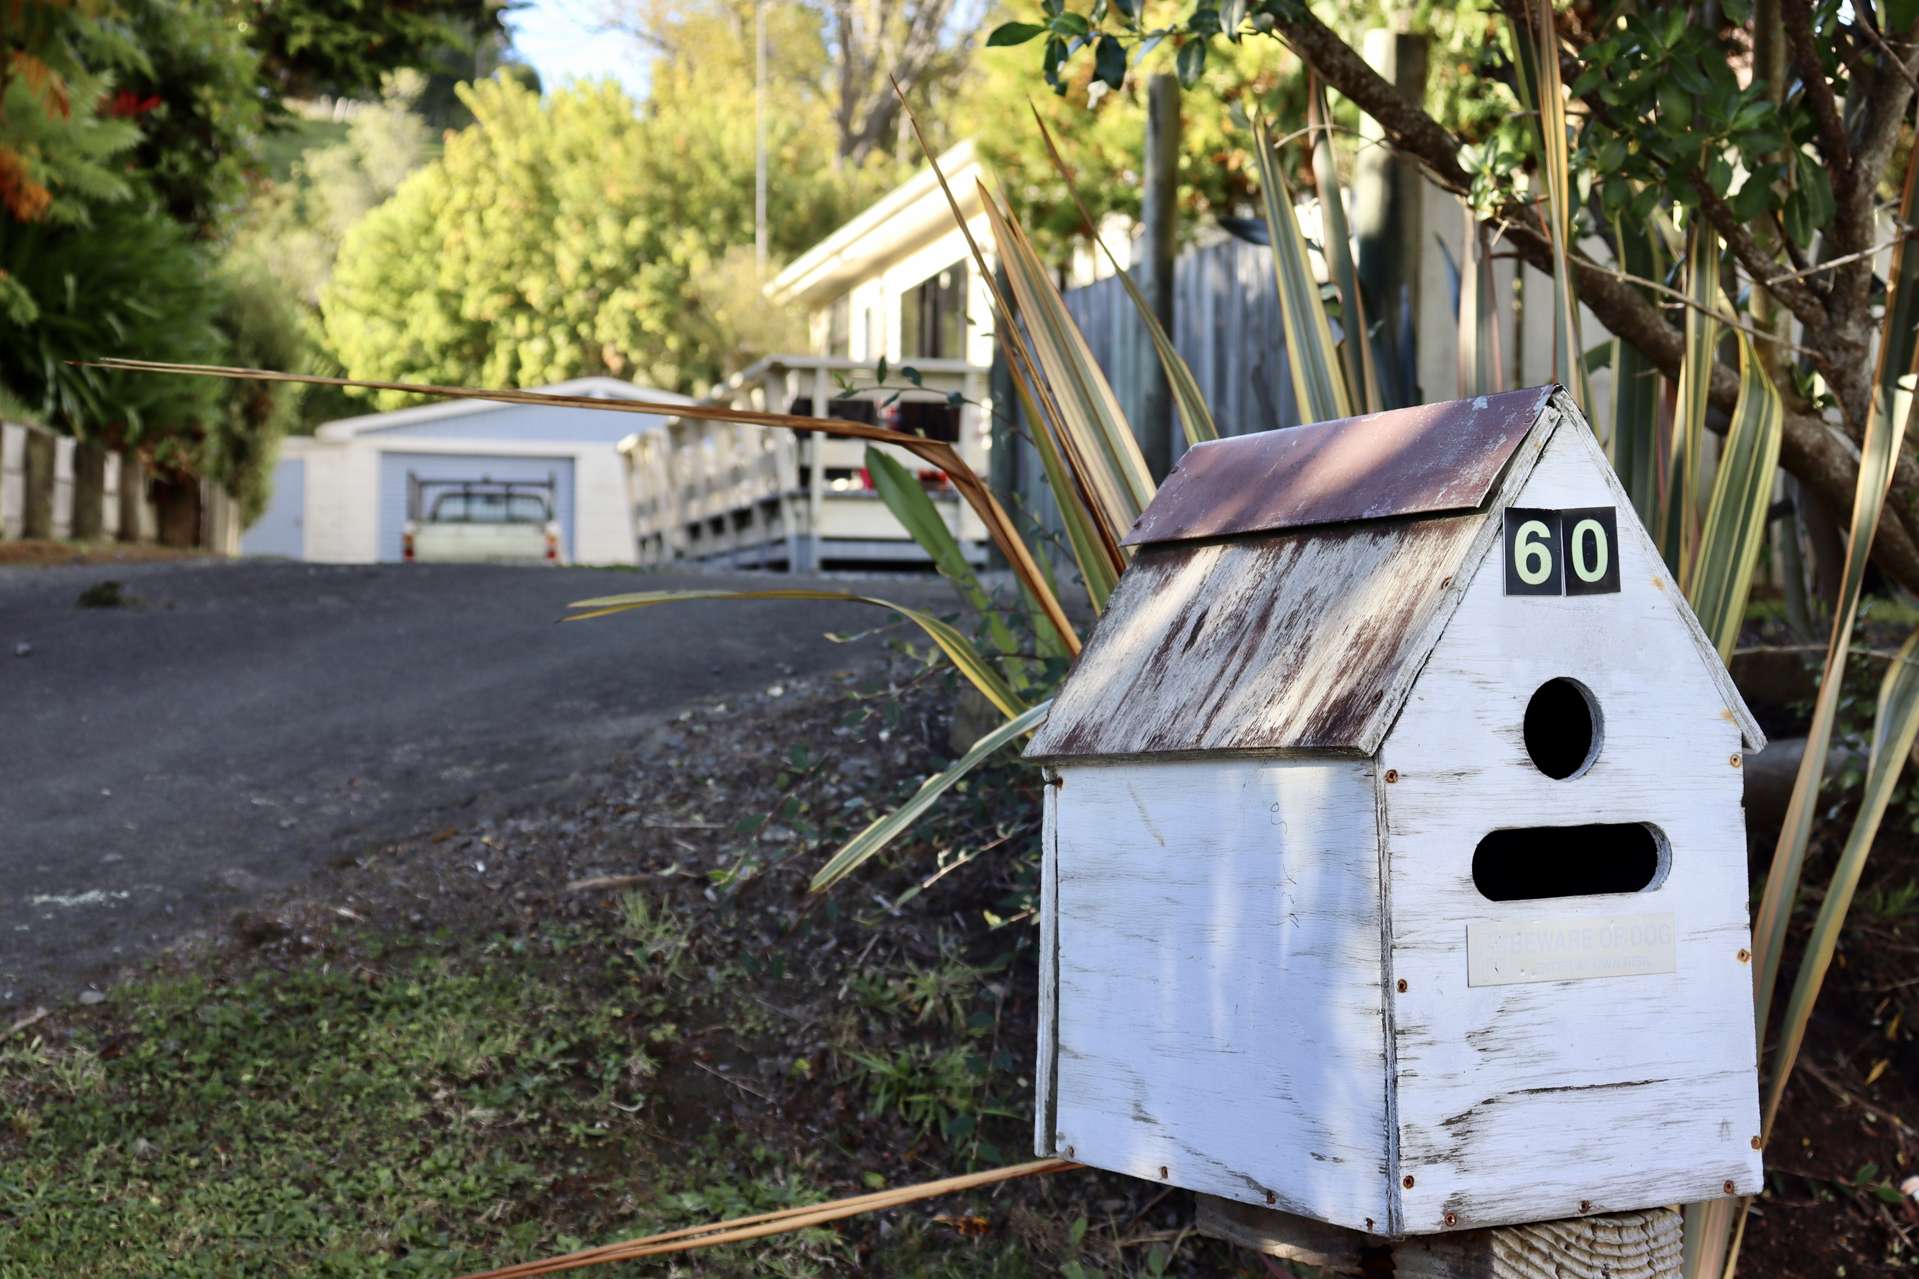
(1427, 460)
(1309, 637)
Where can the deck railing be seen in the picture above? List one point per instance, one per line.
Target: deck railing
(767, 497)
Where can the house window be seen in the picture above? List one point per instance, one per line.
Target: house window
(933, 316)
(839, 327)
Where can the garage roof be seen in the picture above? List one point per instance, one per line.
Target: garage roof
(598, 388)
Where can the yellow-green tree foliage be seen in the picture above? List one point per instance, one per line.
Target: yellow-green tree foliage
(1101, 129)
(582, 234)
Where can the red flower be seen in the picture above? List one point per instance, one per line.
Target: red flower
(126, 104)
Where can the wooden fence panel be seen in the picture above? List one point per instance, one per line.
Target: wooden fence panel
(1226, 323)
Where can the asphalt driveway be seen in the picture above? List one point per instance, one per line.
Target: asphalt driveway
(236, 726)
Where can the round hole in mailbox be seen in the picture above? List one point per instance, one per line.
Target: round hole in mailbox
(1562, 728)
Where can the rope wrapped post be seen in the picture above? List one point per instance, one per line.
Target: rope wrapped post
(1622, 1245)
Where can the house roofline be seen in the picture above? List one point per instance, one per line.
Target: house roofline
(847, 251)
(610, 388)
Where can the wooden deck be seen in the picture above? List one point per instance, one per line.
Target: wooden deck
(764, 497)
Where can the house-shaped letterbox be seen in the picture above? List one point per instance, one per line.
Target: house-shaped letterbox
(1395, 862)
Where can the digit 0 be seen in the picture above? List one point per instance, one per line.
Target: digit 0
(1588, 567)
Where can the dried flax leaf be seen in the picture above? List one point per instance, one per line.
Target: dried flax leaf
(971, 663)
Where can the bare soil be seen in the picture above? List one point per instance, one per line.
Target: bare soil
(31, 552)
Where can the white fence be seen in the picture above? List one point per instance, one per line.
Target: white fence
(42, 492)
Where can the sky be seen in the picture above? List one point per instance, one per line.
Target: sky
(557, 37)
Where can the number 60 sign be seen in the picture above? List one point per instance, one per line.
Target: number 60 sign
(1572, 552)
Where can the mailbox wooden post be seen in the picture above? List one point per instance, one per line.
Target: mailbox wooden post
(1395, 870)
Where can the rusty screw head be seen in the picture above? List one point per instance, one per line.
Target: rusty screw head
(1585, 1205)
(1729, 1187)
(1392, 774)
(1452, 1219)
(1407, 1181)
(1369, 1223)
(1271, 1198)
(1402, 985)
(1745, 956)
(1757, 1144)
(1162, 1172)
(1735, 761)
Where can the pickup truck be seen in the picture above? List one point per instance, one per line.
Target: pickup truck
(483, 521)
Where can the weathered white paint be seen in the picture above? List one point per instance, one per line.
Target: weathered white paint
(13, 478)
(1219, 1000)
(63, 486)
(1223, 1007)
(1565, 947)
(1047, 1060)
(1544, 1100)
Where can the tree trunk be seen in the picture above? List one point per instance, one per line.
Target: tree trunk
(89, 492)
(1387, 192)
(1154, 395)
(177, 498)
(37, 509)
(133, 498)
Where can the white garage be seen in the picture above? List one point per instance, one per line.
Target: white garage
(344, 494)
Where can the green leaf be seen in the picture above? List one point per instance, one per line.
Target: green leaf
(1109, 62)
(1797, 215)
(958, 649)
(903, 494)
(1701, 326)
(1097, 568)
(1817, 187)
(1190, 62)
(1879, 451)
(1894, 727)
(1071, 24)
(1094, 436)
(1313, 359)
(1741, 498)
(883, 831)
(1541, 89)
(1637, 385)
(1010, 33)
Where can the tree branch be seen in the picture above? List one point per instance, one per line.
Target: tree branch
(1796, 18)
(1406, 125)
(1812, 450)
(1885, 97)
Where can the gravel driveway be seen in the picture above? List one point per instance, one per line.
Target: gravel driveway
(231, 727)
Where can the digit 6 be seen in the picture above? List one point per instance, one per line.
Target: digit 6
(1533, 552)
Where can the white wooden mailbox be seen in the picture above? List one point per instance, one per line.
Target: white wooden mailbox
(1395, 864)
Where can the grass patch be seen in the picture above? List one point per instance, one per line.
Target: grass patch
(422, 1113)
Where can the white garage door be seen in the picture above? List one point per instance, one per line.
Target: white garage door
(395, 467)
